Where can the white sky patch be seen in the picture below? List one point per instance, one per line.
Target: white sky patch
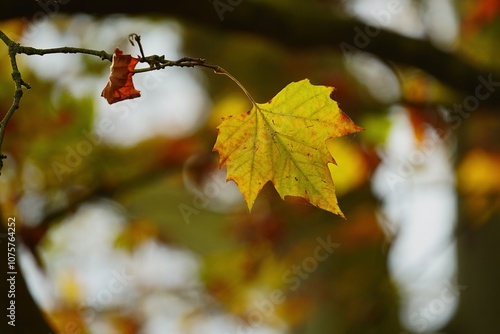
(400, 16)
(54, 66)
(441, 23)
(163, 266)
(41, 288)
(417, 188)
(371, 72)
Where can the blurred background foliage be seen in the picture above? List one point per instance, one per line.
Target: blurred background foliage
(134, 190)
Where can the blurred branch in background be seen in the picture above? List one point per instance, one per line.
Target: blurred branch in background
(297, 25)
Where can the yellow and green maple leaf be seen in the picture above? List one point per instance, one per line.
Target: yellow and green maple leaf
(284, 141)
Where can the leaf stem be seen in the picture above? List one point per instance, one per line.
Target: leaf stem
(220, 70)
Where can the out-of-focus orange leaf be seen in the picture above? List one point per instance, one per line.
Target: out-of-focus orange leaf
(421, 119)
(125, 324)
(14, 28)
(296, 309)
(198, 168)
(479, 182)
(68, 320)
(353, 170)
(416, 87)
(120, 86)
(258, 229)
(417, 123)
(480, 13)
(137, 232)
(478, 173)
(418, 90)
(363, 230)
(71, 292)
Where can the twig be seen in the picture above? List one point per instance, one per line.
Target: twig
(18, 93)
(13, 50)
(156, 63)
(137, 38)
(27, 50)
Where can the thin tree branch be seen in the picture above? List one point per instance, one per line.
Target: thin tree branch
(13, 50)
(18, 92)
(155, 63)
(27, 50)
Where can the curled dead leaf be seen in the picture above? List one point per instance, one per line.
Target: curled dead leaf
(120, 85)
